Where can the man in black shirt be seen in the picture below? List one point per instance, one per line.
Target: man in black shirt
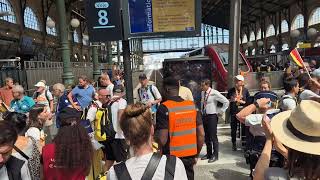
(162, 126)
(238, 97)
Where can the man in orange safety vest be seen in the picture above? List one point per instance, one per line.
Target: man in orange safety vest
(179, 127)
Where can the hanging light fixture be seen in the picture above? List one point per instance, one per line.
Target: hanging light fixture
(295, 33)
(75, 22)
(312, 32)
(250, 44)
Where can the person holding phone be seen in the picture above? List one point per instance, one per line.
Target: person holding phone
(265, 103)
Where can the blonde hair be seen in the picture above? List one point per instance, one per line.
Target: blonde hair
(136, 124)
(18, 88)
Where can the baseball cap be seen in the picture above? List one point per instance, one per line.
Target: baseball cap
(143, 76)
(40, 84)
(239, 77)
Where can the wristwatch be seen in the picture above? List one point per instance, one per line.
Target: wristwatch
(256, 104)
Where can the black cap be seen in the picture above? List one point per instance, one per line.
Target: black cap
(118, 89)
(142, 76)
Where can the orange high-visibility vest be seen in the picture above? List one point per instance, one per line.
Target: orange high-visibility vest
(182, 128)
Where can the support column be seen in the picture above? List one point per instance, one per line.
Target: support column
(235, 21)
(127, 71)
(118, 53)
(109, 52)
(67, 75)
(95, 60)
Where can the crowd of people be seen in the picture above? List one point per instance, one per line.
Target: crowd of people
(161, 135)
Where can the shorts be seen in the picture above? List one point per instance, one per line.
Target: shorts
(115, 150)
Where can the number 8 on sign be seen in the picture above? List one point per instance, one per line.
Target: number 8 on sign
(103, 17)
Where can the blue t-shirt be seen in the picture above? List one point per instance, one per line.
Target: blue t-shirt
(84, 96)
(23, 105)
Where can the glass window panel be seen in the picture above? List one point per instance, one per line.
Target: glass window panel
(284, 26)
(298, 22)
(244, 39)
(270, 31)
(30, 19)
(5, 6)
(314, 17)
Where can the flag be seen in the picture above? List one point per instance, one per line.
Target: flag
(296, 57)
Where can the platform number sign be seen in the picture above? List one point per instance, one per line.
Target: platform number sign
(104, 20)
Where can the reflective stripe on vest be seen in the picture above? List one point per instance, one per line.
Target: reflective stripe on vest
(182, 128)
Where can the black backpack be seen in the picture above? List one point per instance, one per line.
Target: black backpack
(123, 173)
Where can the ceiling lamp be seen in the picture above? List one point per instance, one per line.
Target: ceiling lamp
(312, 32)
(295, 33)
(250, 44)
(260, 43)
(75, 22)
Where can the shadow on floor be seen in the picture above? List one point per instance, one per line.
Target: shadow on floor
(229, 174)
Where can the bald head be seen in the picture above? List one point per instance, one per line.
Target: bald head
(103, 92)
(103, 96)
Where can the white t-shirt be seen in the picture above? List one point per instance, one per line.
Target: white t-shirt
(115, 107)
(145, 95)
(25, 174)
(137, 165)
(35, 133)
(110, 89)
(308, 94)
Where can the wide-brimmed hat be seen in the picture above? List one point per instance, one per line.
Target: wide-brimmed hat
(299, 129)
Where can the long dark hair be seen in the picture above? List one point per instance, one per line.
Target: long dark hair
(18, 121)
(34, 116)
(303, 164)
(73, 148)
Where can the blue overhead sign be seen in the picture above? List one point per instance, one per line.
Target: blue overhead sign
(162, 17)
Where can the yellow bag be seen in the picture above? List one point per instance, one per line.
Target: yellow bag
(99, 123)
(103, 125)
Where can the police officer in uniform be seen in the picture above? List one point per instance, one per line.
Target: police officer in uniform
(179, 127)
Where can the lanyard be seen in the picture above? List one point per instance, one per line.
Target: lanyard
(206, 98)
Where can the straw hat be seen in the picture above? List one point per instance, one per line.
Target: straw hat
(299, 129)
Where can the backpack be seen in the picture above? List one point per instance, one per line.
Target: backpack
(122, 172)
(103, 124)
(283, 98)
(36, 94)
(33, 161)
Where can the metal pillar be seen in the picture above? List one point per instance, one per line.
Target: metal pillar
(109, 52)
(67, 75)
(118, 53)
(235, 21)
(95, 60)
(127, 71)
